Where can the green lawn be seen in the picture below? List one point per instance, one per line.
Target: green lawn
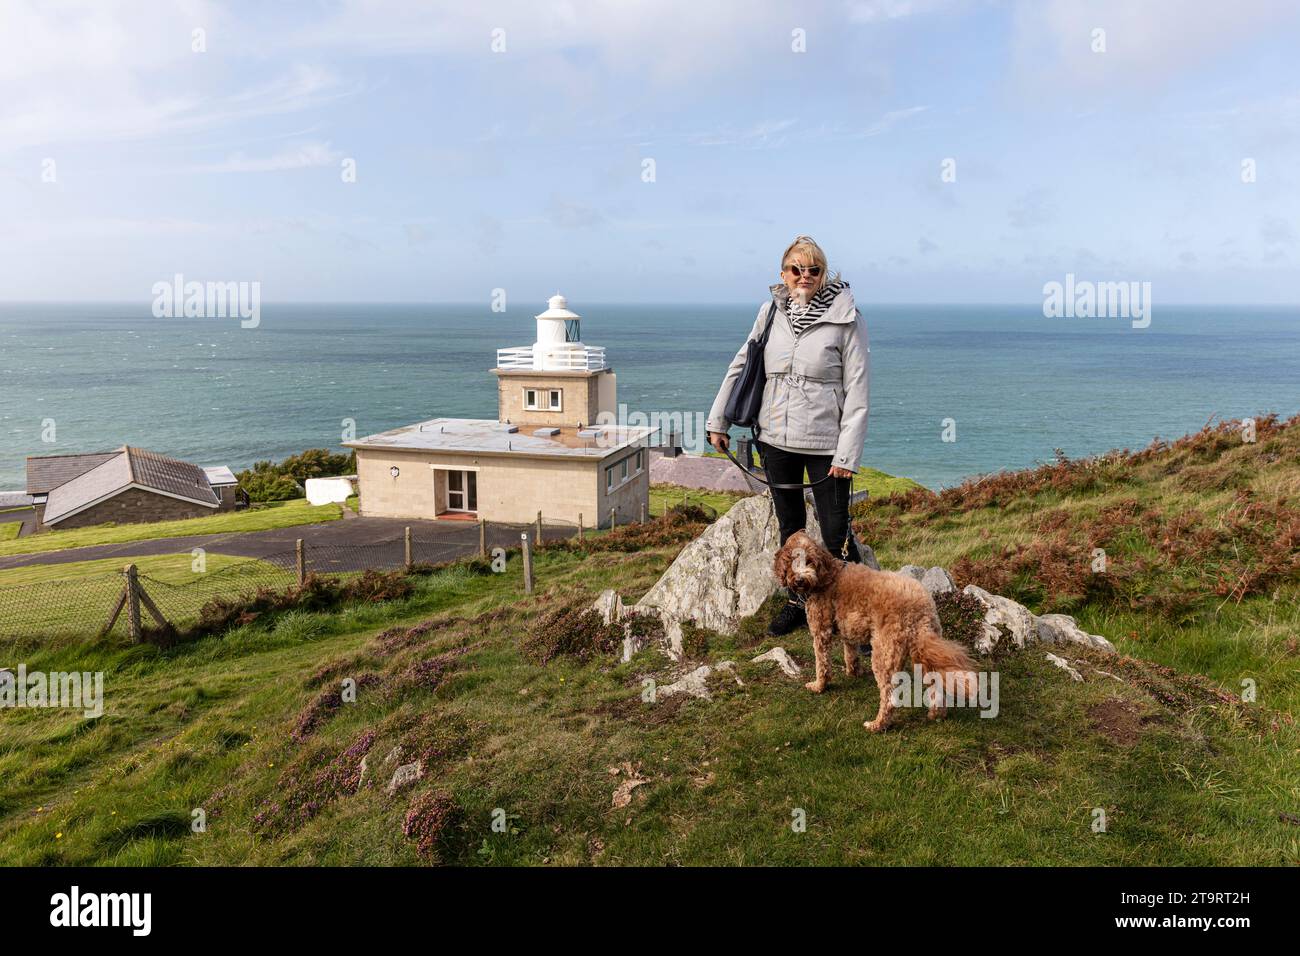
(261, 517)
(9, 530)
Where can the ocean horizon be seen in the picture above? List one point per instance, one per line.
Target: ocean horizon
(1012, 385)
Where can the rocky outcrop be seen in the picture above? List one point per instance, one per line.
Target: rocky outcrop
(1006, 620)
(722, 576)
(725, 575)
(1062, 629)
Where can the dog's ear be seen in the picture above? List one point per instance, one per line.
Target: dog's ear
(781, 566)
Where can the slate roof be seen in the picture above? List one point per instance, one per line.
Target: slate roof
(110, 473)
(47, 472)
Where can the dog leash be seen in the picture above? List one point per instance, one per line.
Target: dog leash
(772, 484)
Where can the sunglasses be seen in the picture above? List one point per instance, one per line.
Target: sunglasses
(798, 271)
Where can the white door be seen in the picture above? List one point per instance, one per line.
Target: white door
(462, 491)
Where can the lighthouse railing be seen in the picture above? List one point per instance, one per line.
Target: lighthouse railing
(586, 358)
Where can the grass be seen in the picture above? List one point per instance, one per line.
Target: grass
(261, 517)
(664, 496)
(250, 728)
(207, 726)
(76, 598)
(9, 530)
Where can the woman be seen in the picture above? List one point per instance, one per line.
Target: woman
(814, 414)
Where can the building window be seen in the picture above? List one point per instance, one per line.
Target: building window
(539, 400)
(619, 472)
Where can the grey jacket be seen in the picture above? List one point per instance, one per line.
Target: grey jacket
(816, 396)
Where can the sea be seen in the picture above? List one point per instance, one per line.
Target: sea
(956, 391)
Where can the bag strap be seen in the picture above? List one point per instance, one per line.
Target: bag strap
(767, 329)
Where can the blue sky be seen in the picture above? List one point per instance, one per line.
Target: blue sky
(522, 169)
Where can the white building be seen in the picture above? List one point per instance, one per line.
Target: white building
(543, 451)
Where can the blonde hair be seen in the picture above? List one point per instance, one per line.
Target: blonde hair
(807, 247)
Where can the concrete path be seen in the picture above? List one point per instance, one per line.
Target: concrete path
(345, 545)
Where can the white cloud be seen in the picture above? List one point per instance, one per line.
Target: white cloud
(91, 71)
(1147, 42)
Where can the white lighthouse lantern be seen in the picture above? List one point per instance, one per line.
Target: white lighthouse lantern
(559, 337)
(559, 346)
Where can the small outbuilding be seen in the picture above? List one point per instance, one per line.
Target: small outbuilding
(128, 485)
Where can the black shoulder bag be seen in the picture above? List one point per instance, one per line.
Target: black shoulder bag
(746, 398)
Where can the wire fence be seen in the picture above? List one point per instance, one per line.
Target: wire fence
(177, 586)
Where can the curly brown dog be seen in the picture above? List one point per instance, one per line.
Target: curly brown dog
(892, 611)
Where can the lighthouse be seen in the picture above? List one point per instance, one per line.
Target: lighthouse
(556, 448)
(558, 380)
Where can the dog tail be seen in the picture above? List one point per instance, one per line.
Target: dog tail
(936, 653)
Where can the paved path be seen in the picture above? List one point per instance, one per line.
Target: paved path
(345, 545)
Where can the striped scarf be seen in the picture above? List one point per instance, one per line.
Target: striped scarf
(803, 316)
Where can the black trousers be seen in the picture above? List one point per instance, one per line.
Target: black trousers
(830, 498)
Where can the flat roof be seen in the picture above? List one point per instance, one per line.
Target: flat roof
(490, 437)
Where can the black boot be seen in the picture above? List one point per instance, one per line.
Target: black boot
(790, 618)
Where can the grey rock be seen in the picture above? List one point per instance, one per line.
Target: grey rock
(696, 683)
(1062, 629)
(938, 581)
(1000, 612)
(1064, 665)
(405, 775)
(912, 571)
(782, 660)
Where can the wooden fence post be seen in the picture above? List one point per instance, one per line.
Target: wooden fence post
(528, 563)
(643, 512)
(539, 528)
(482, 538)
(579, 525)
(133, 602)
(408, 548)
(301, 560)
(613, 517)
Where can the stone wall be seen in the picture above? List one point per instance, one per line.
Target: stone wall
(135, 506)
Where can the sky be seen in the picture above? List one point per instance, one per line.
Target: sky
(636, 151)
